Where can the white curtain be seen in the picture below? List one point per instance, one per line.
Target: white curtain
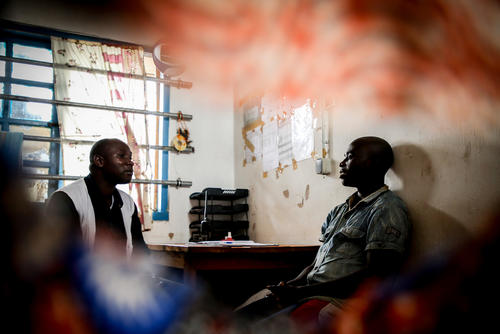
(109, 90)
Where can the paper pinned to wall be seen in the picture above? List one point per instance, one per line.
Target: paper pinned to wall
(251, 115)
(254, 152)
(280, 131)
(270, 153)
(302, 132)
(271, 106)
(285, 141)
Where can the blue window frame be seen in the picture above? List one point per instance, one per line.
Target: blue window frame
(30, 118)
(19, 41)
(162, 213)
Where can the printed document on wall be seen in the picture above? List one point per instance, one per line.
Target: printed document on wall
(254, 152)
(302, 132)
(251, 115)
(285, 141)
(271, 107)
(270, 153)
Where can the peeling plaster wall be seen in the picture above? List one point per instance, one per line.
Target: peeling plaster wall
(445, 171)
(211, 165)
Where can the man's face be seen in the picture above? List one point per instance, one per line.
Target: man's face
(355, 168)
(117, 163)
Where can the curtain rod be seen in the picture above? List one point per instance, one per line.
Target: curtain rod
(188, 149)
(185, 117)
(170, 82)
(177, 183)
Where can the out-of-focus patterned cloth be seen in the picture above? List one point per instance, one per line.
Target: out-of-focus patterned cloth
(450, 293)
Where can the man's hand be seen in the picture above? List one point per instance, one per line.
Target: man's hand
(286, 293)
(276, 286)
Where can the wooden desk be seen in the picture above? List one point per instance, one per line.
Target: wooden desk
(193, 258)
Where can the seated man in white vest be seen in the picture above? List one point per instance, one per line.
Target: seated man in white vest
(93, 208)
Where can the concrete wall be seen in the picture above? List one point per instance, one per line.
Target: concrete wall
(445, 171)
(211, 165)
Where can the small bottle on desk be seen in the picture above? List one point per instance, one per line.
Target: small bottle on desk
(228, 237)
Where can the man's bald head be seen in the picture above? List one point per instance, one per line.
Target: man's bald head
(378, 150)
(111, 160)
(101, 147)
(366, 161)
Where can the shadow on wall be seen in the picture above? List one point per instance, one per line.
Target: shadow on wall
(433, 229)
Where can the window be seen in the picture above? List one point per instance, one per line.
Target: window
(38, 120)
(30, 118)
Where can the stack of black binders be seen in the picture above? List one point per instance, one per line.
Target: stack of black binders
(219, 211)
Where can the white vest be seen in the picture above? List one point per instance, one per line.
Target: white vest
(79, 194)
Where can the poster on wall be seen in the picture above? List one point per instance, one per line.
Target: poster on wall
(277, 131)
(285, 147)
(253, 147)
(270, 153)
(251, 114)
(252, 129)
(302, 132)
(271, 107)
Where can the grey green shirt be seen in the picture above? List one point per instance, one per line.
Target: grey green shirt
(378, 221)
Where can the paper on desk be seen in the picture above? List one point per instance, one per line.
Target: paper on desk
(234, 243)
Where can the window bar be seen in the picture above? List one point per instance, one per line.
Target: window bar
(170, 82)
(176, 183)
(157, 140)
(188, 149)
(54, 147)
(94, 106)
(7, 89)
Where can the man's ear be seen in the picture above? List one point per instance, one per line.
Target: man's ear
(98, 160)
(376, 164)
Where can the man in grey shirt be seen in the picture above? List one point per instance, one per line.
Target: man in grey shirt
(364, 237)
